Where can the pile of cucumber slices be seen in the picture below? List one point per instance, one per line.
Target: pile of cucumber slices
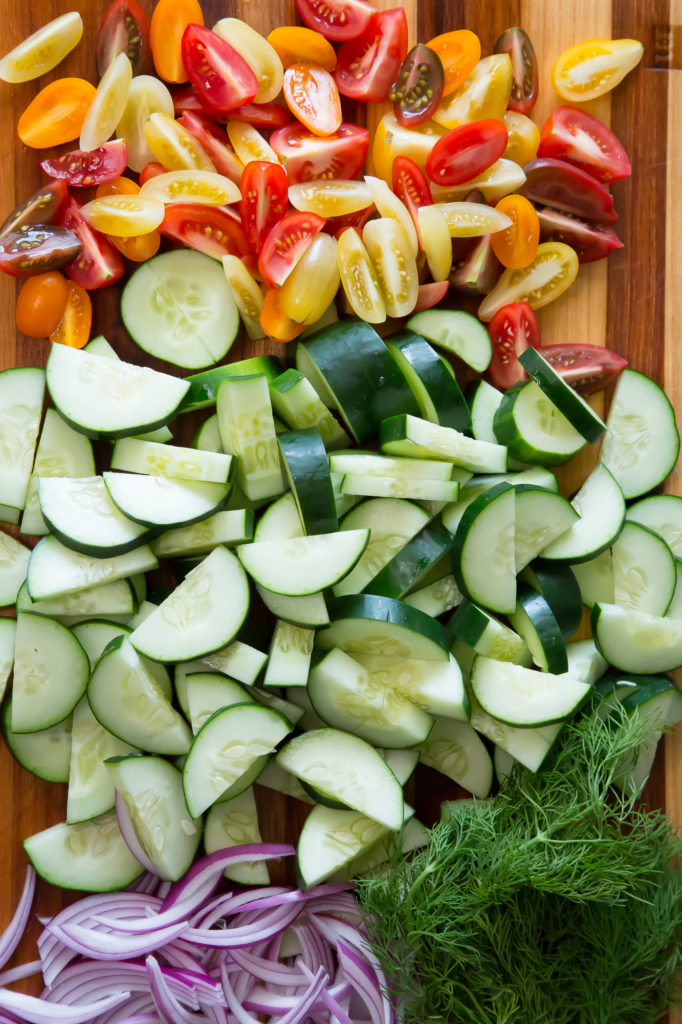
(414, 601)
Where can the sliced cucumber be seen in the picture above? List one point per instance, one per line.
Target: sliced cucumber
(533, 428)
(45, 753)
(90, 856)
(239, 660)
(436, 598)
(51, 672)
(54, 570)
(303, 565)
(295, 400)
(204, 387)
(309, 612)
(541, 517)
(275, 778)
(456, 750)
(330, 839)
(304, 460)
(61, 451)
(635, 641)
(228, 527)
(158, 501)
(21, 402)
(143, 612)
(523, 697)
(13, 567)
(412, 836)
(382, 625)
(8, 629)
(484, 401)
(487, 635)
(595, 579)
(292, 712)
(601, 507)
(644, 571)
(459, 333)
(279, 521)
(409, 566)
(585, 662)
(231, 824)
(356, 463)
(135, 456)
(82, 515)
(179, 307)
(674, 609)
(400, 487)
(208, 692)
(642, 442)
(574, 407)
(483, 552)
(559, 587)
(534, 620)
(290, 653)
(207, 436)
(434, 387)
(91, 788)
(113, 602)
(110, 398)
(347, 769)
(416, 438)
(247, 430)
(470, 490)
(661, 513)
(529, 746)
(391, 523)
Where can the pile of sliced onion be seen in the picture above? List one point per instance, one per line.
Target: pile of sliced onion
(191, 952)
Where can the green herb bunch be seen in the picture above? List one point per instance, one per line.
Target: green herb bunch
(558, 902)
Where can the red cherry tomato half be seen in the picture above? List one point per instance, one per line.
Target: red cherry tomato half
(187, 98)
(98, 263)
(208, 229)
(123, 29)
(466, 152)
(285, 244)
(591, 241)
(335, 19)
(81, 168)
(337, 225)
(265, 189)
(411, 186)
(418, 88)
(37, 248)
(429, 295)
(367, 67)
(587, 368)
(40, 208)
(524, 92)
(261, 115)
(219, 74)
(151, 170)
(567, 188)
(513, 329)
(214, 140)
(572, 135)
(308, 157)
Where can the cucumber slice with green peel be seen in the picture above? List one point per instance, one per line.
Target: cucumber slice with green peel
(391, 523)
(644, 571)
(231, 824)
(309, 719)
(56, 571)
(309, 612)
(585, 662)
(113, 602)
(207, 437)
(471, 489)
(534, 621)
(91, 856)
(601, 507)
(634, 641)
(163, 502)
(352, 371)
(22, 390)
(347, 769)
(203, 387)
(674, 608)
(400, 487)
(51, 672)
(303, 565)
(91, 788)
(436, 598)
(416, 438)
(402, 763)
(247, 429)
(82, 515)
(330, 839)
(457, 332)
(279, 521)
(228, 528)
(595, 579)
(343, 502)
(147, 457)
(522, 696)
(291, 649)
(456, 750)
(275, 778)
(127, 700)
(61, 451)
(226, 747)
(559, 587)
(202, 614)
(661, 513)
(642, 441)
(382, 625)
(110, 398)
(142, 613)
(296, 401)
(179, 307)
(304, 460)
(486, 634)
(292, 712)
(152, 791)
(434, 687)
(484, 401)
(541, 517)
(239, 660)
(533, 428)
(528, 746)
(412, 836)
(411, 564)
(574, 407)
(483, 551)
(345, 697)
(435, 389)
(659, 703)
(208, 692)
(371, 464)
(13, 568)
(44, 753)
(8, 629)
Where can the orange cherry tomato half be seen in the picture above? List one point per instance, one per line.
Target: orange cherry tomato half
(274, 321)
(515, 246)
(118, 187)
(151, 170)
(313, 98)
(168, 23)
(138, 248)
(41, 303)
(459, 52)
(56, 114)
(294, 44)
(74, 327)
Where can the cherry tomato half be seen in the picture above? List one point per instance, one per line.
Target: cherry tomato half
(41, 303)
(81, 168)
(335, 19)
(56, 114)
(123, 29)
(261, 115)
(418, 88)
(170, 18)
(274, 321)
(583, 140)
(151, 170)
(590, 69)
(430, 294)
(264, 200)
(43, 49)
(74, 326)
(466, 152)
(460, 52)
(591, 241)
(285, 244)
(553, 270)
(35, 248)
(569, 189)
(516, 245)
(337, 225)
(367, 67)
(313, 98)
(293, 43)
(307, 156)
(213, 139)
(512, 330)
(523, 138)
(587, 368)
(98, 262)
(411, 186)
(208, 229)
(524, 92)
(42, 207)
(219, 74)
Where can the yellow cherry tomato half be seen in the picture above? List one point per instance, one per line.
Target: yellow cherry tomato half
(207, 187)
(146, 96)
(359, 278)
(389, 249)
(43, 50)
(392, 139)
(333, 198)
(388, 205)
(174, 147)
(459, 52)
(295, 45)
(258, 53)
(469, 220)
(41, 303)
(169, 20)
(484, 94)
(436, 240)
(74, 326)
(590, 69)
(124, 215)
(274, 321)
(313, 283)
(553, 270)
(516, 245)
(109, 103)
(313, 98)
(246, 293)
(249, 144)
(523, 138)
(499, 180)
(56, 114)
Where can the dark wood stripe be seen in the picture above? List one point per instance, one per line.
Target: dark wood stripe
(487, 21)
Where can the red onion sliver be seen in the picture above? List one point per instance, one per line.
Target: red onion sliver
(168, 1006)
(247, 935)
(206, 874)
(106, 946)
(12, 935)
(36, 1011)
(363, 980)
(18, 973)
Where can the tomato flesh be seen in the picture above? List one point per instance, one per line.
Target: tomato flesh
(418, 88)
(36, 248)
(459, 52)
(215, 142)
(524, 91)
(512, 330)
(207, 229)
(313, 98)
(56, 114)
(219, 74)
(583, 140)
(42, 207)
(587, 368)
(591, 241)
(466, 152)
(308, 157)
(367, 67)
(337, 225)
(411, 186)
(516, 246)
(73, 328)
(430, 294)
(41, 303)
(98, 262)
(569, 189)
(124, 29)
(335, 19)
(286, 242)
(264, 188)
(81, 168)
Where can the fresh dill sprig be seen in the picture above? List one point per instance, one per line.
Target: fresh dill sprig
(559, 902)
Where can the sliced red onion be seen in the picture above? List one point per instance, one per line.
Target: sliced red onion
(168, 1007)
(17, 926)
(18, 973)
(256, 931)
(36, 1011)
(364, 981)
(205, 875)
(107, 946)
(127, 829)
(330, 1001)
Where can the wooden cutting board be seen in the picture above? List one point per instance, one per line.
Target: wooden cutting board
(627, 303)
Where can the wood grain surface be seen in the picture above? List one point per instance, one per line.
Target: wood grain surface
(629, 303)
